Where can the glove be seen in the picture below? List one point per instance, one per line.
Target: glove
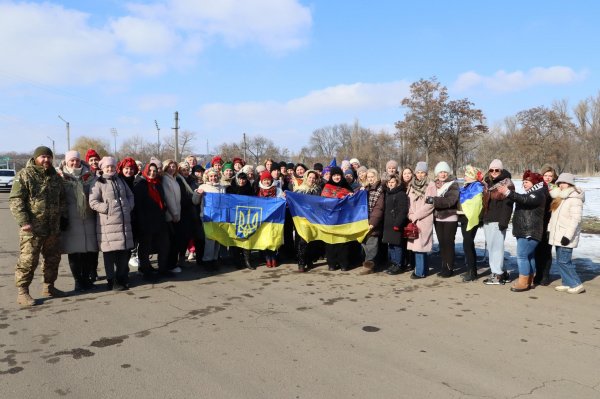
(429, 200)
(64, 223)
(564, 241)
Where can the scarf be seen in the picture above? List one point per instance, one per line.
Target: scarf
(153, 192)
(419, 187)
(374, 194)
(267, 191)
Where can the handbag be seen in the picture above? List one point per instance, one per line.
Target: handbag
(411, 231)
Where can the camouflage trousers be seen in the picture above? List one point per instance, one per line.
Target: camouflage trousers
(31, 248)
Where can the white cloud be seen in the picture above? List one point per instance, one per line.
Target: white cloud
(350, 99)
(52, 45)
(503, 81)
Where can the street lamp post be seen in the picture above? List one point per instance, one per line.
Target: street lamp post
(53, 148)
(113, 131)
(68, 133)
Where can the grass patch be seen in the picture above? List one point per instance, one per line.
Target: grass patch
(590, 225)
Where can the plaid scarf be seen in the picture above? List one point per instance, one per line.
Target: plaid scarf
(419, 187)
(374, 194)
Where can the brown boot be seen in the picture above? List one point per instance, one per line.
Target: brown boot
(368, 268)
(522, 284)
(530, 281)
(23, 297)
(50, 291)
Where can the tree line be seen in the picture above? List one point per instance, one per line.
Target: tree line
(434, 127)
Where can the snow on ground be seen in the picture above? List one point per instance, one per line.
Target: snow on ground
(586, 256)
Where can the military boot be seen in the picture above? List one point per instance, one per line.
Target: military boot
(23, 297)
(50, 291)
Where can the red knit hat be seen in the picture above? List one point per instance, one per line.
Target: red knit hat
(238, 160)
(91, 154)
(266, 175)
(128, 162)
(216, 159)
(533, 177)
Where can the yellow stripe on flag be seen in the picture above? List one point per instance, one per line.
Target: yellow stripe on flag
(331, 234)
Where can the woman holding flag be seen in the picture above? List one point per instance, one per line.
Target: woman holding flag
(337, 187)
(310, 186)
(469, 214)
(211, 185)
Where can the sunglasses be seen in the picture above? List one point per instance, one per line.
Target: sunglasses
(494, 170)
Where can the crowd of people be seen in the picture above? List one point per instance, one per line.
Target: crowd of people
(130, 211)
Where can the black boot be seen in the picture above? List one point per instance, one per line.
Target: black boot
(446, 271)
(470, 275)
(247, 263)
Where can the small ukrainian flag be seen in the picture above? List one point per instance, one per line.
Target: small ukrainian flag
(331, 220)
(244, 221)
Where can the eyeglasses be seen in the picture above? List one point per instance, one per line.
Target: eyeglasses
(494, 170)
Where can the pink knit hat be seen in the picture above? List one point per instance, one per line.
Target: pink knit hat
(106, 161)
(496, 164)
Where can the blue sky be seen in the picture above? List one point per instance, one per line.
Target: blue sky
(277, 68)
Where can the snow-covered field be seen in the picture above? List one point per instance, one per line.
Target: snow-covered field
(586, 256)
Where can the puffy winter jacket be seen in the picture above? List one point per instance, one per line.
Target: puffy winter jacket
(113, 201)
(565, 220)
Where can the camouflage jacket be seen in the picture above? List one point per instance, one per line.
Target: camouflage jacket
(38, 198)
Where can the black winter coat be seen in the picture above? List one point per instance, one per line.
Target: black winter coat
(395, 215)
(528, 220)
(150, 219)
(496, 207)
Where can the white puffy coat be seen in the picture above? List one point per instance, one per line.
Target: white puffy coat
(565, 221)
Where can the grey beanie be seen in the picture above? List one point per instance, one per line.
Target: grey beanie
(421, 167)
(566, 178)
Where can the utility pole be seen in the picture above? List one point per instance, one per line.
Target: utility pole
(245, 146)
(53, 147)
(157, 140)
(176, 128)
(206, 147)
(113, 131)
(68, 133)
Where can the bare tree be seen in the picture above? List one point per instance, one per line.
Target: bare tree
(462, 128)
(186, 137)
(423, 119)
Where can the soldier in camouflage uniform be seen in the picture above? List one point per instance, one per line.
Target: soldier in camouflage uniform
(37, 202)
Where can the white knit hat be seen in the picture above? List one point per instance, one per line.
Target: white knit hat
(442, 167)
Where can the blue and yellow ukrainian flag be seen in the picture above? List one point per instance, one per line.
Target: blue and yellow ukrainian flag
(471, 203)
(243, 221)
(331, 220)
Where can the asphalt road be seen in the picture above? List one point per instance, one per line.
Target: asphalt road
(280, 334)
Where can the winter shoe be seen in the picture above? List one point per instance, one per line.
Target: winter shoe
(368, 268)
(522, 284)
(50, 291)
(413, 276)
(393, 269)
(445, 272)
(576, 290)
(23, 297)
(505, 277)
(494, 279)
(470, 276)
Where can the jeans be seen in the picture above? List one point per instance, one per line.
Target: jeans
(526, 255)
(494, 241)
(395, 254)
(421, 264)
(566, 267)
